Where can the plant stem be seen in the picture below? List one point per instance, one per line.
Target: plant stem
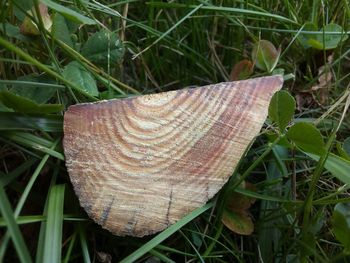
(234, 186)
(8, 45)
(256, 163)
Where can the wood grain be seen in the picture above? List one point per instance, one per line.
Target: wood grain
(140, 164)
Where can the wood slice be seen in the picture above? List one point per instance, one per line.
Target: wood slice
(140, 164)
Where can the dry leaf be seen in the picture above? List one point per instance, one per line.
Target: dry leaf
(28, 27)
(236, 216)
(104, 257)
(325, 77)
(242, 70)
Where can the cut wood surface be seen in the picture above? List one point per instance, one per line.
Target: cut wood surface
(140, 164)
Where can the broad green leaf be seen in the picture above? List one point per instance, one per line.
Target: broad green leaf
(31, 90)
(307, 137)
(24, 105)
(13, 31)
(265, 55)
(322, 39)
(341, 225)
(54, 225)
(24, 5)
(304, 38)
(315, 43)
(102, 46)
(69, 13)
(328, 40)
(60, 29)
(336, 165)
(323, 125)
(281, 109)
(77, 74)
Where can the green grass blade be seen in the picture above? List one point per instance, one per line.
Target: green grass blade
(165, 234)
(24, 197)
(83, 244)
(338, 166)
(193, 247)
(24, 220)
(8, 178)
(10, 46)
(18, 121)
(54, 225)
(171, 29)
(13, 229)
(70, 247)
(265, 197)
(34, 142)
(41, 241)
(224, 9)
(161, 256)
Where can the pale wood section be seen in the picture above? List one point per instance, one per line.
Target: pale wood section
(140, 164)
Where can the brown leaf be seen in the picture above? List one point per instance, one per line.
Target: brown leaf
(28, 27)
(240, 223)
(238, 202)
(325, 77)
(236, 216)
(104, 257)
(242, 70)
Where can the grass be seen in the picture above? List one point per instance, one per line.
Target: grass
(154, 46)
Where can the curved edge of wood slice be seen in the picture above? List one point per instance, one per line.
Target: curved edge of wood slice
(140, 164)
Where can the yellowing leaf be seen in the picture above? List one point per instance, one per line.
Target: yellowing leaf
(242, 70)
(236, 216)
(240, 223)
(28, 26)
(328, 37)
(265, 55)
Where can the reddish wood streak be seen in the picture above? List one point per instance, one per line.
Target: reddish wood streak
(154, 159)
